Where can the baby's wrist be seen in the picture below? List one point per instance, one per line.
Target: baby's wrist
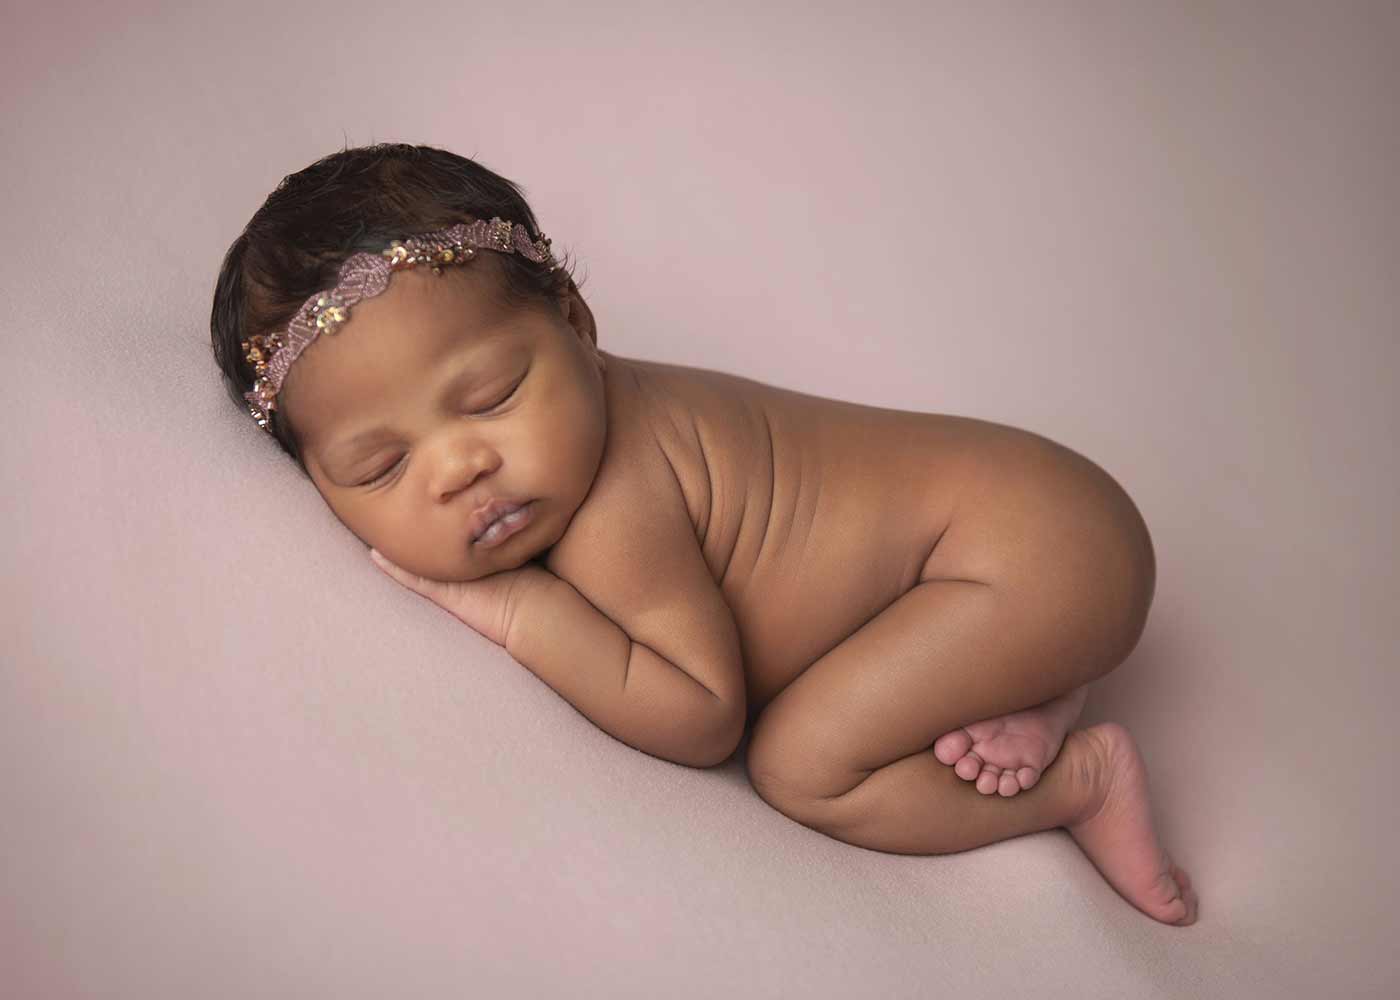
(529, 603)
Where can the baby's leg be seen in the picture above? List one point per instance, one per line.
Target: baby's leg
(846, 749)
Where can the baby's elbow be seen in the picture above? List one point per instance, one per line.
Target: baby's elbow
(720, 736)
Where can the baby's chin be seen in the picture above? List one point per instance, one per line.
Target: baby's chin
(484, 564)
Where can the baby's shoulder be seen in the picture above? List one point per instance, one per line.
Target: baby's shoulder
(714, 430)
(637, 485)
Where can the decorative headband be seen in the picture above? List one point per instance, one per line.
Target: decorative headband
(364, 275)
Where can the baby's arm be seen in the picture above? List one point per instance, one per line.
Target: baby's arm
(619, 682)
(633, 631)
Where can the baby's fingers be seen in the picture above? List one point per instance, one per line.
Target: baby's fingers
(482, 604)
(436, 591)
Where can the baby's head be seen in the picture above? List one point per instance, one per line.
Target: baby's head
(441, 393)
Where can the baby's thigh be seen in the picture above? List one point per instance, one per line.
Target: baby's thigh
(1061, 540)
(945, 654)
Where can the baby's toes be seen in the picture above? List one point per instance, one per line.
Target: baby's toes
(989, 780)
(1008, 785)
(1182, 879)
(1188, 896)
(968, 767)
(950, 747)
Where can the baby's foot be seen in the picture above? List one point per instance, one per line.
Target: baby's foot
(1008, 754)
(1117, 833)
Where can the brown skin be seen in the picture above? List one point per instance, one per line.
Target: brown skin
(893, 575)
(390, 365)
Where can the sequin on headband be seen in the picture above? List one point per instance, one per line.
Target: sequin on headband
(365, 275)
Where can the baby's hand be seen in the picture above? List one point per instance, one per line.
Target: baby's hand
(487, 605)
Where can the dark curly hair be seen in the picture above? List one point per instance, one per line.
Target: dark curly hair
(349, 201)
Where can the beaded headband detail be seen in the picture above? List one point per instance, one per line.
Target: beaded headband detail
(365, 275)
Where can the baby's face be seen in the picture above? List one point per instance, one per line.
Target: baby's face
(432, 399)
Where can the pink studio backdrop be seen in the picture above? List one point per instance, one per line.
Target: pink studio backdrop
(236, 760)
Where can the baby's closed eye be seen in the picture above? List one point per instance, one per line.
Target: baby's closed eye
(383, 476)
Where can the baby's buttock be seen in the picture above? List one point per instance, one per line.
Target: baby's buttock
(816, 514)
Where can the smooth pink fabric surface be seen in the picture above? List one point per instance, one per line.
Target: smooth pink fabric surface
(1166, 238)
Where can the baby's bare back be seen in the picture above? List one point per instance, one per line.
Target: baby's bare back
(937, 583)
(815, 514)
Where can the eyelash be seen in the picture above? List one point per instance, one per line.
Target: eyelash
(504, 399)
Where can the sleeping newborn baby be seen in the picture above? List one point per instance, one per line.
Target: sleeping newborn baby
(904, 609)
